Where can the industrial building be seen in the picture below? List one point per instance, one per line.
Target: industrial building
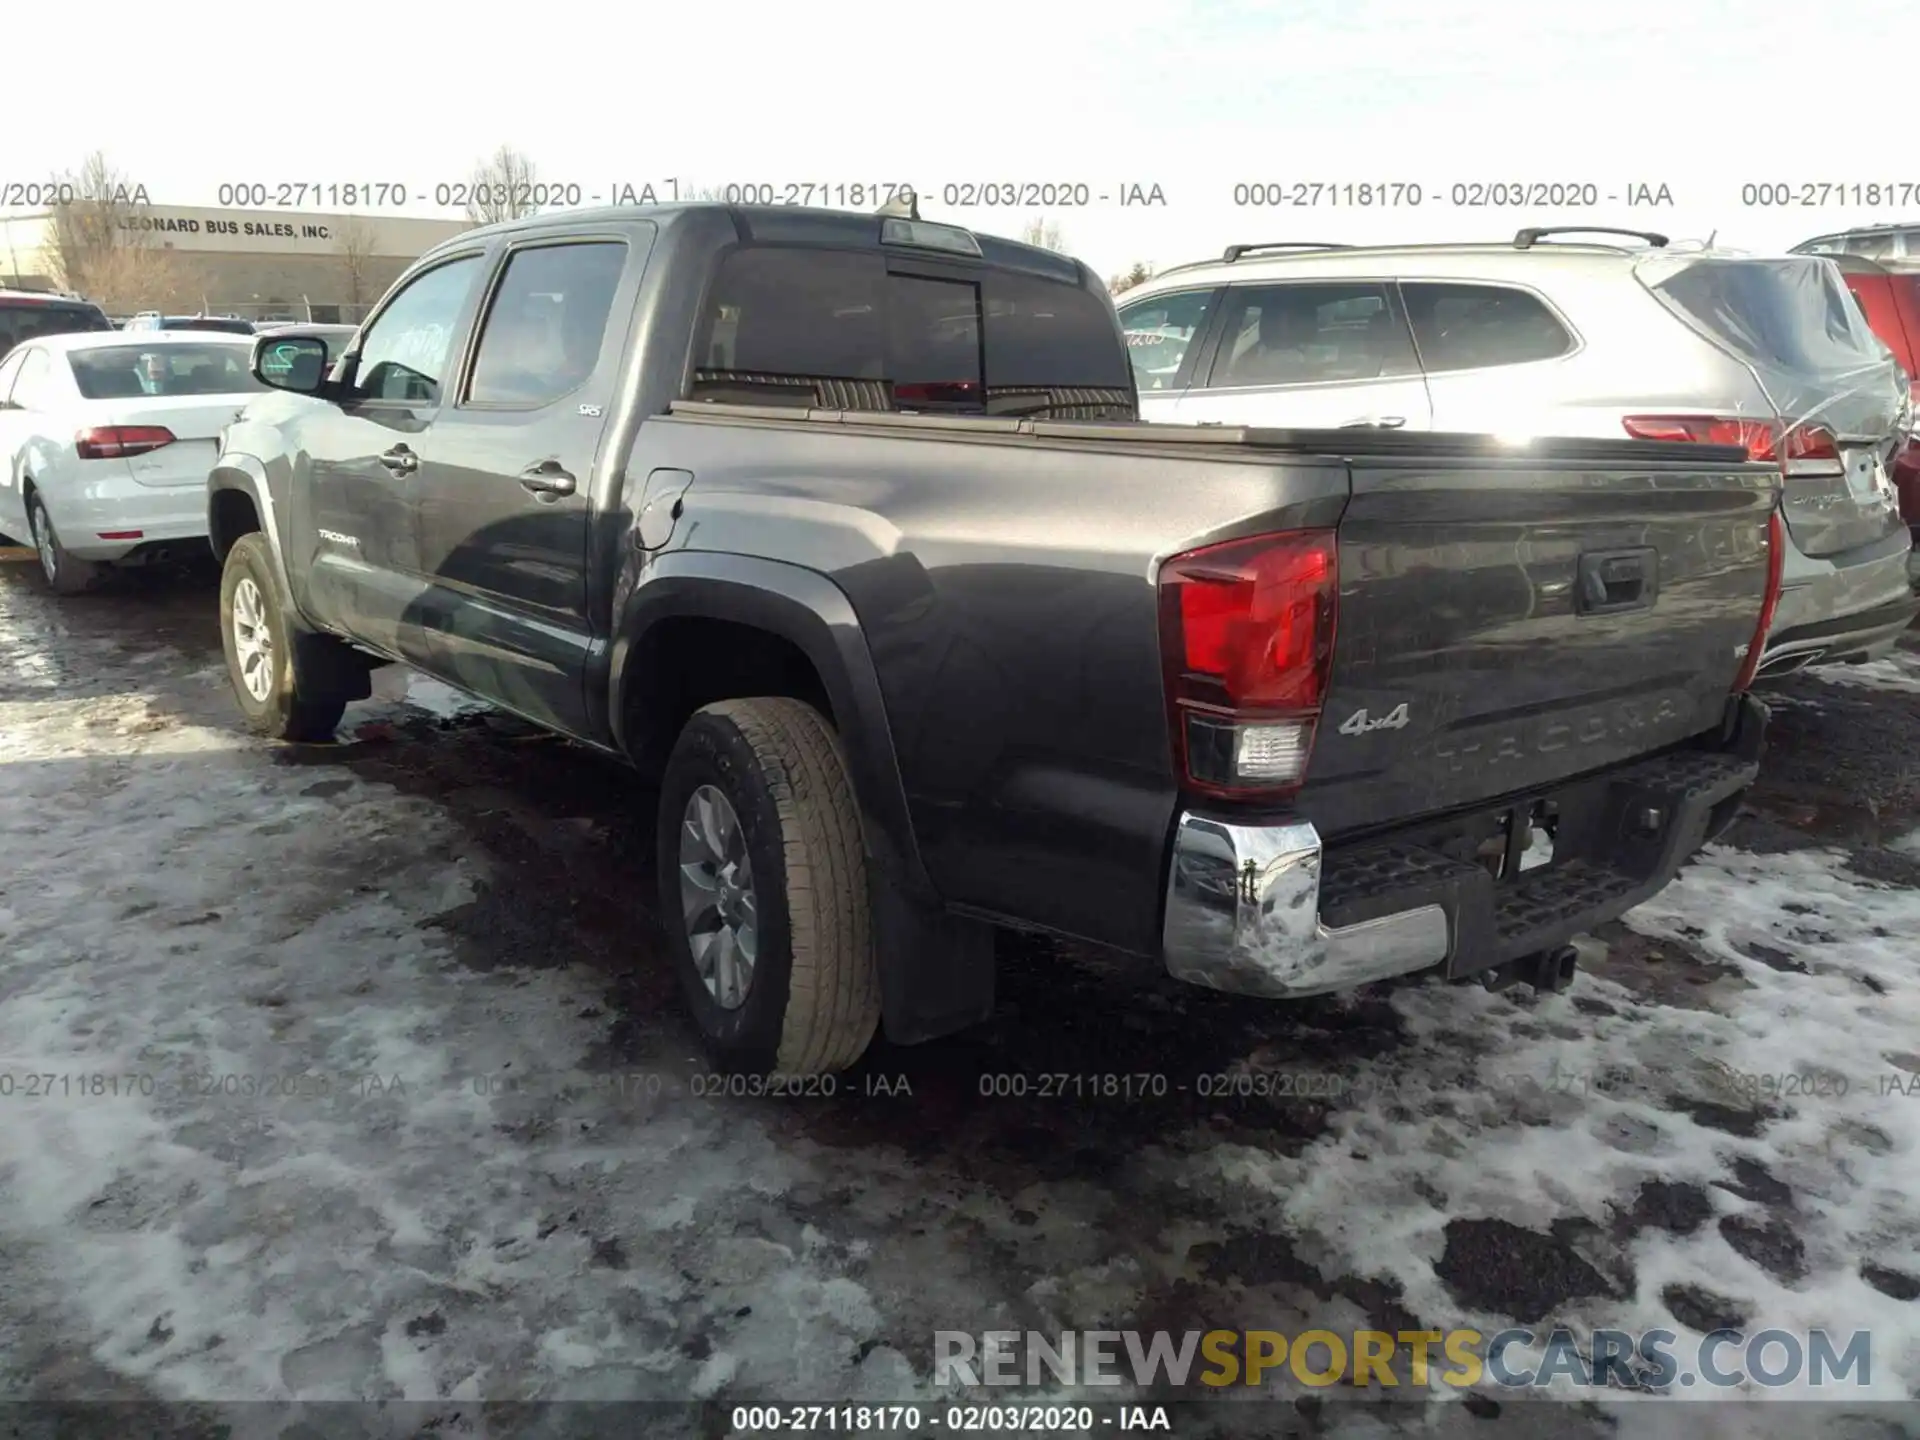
(260, 264)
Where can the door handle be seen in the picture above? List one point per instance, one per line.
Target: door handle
(401, 460)
(1375, 422)
(547, 478)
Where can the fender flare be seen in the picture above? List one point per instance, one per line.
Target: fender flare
(321, 659)
(807, 609)
(249, 477)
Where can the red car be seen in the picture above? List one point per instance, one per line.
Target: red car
(1891, 299)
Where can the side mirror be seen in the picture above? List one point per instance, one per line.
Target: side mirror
(290, 362)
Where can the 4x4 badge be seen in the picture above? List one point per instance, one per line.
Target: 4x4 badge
(1359, 723)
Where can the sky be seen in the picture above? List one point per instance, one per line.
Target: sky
(1729, 108)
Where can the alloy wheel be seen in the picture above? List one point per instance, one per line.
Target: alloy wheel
(43, 541)
(717, 900)
(252, 639)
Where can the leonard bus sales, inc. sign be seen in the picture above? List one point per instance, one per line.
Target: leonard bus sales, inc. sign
(253, 229)
(216, 228)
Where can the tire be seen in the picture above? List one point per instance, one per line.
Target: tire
(812, 1004)
(285, 709)
(66, 574)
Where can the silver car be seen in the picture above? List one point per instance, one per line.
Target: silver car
(1540, 337)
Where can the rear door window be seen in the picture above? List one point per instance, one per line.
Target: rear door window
(1474, 327)
(542, 334)
(1311, 334)
(818, 326)
(1163, 333)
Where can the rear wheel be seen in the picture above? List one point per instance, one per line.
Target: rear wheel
(764, 889)
(260, 655)
(66, 573)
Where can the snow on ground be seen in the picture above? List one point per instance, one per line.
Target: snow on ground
(397, 684)
(1537, 1114)
(303, 1185)
(1898, 672)
(273, 1131)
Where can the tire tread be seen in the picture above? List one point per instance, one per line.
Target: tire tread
(833, 1002)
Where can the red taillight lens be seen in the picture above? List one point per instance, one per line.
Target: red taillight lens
(1246, 633)
(1776, 559)
(1759, 438)
(1756, 437)
(116, 442)
(1813, 442)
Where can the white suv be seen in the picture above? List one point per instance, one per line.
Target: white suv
(1536, 338)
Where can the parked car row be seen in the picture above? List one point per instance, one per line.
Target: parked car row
(1539, 336)
(29, 314)
(846, 530)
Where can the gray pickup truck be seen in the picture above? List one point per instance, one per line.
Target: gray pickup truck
(844, 529)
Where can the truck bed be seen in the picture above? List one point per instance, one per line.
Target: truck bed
(1004, 573)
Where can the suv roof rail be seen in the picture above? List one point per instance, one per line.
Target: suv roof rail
(1234, 252)
(1527, 239)
(1187, 265)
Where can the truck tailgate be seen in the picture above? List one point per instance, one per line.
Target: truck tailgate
(1508, 621)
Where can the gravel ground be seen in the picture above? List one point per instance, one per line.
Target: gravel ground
(399, 1104)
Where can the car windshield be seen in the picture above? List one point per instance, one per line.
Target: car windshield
(23, 320)
(121, 372)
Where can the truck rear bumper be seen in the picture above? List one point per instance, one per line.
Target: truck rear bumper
(1268, 910)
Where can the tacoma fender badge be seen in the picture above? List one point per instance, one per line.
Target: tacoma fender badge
(592, 412)
(1360, 723)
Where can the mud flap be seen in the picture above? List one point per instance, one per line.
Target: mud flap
(936, 970)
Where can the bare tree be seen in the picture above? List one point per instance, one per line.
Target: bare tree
(133, 278)
(354, 242)
(1138, 275)
(1042, 232)
(104, 244)
(503, 187)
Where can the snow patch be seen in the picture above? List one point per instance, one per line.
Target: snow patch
(1898, 672)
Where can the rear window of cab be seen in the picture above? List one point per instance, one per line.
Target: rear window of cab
(937, 340)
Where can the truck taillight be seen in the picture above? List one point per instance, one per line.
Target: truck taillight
(116, 442)
(1759, 438)
(1776, 559)
(1246, 636)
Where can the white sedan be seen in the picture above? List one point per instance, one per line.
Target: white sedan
(106, 441)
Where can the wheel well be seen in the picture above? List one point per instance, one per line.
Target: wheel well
(230, 514)
(685, 662)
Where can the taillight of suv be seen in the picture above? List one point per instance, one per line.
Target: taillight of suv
(1246, 634)
(1762, 439)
